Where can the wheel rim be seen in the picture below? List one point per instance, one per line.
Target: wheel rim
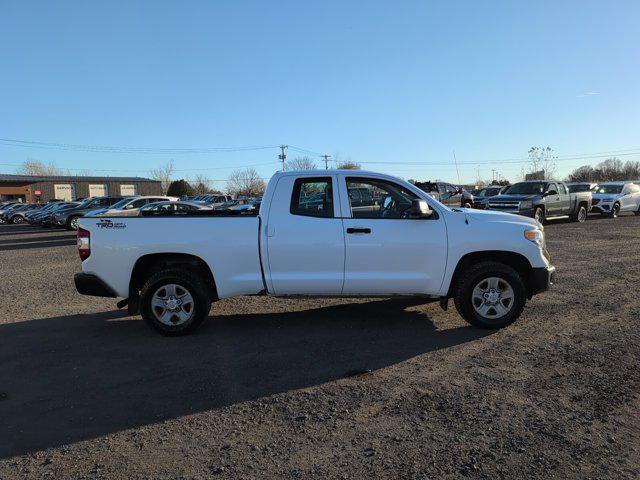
(172, 305)
(492, 298)
(539, 216)
(74, 223)
(582, 215)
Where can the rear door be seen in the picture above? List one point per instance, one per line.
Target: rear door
(564, 200)
(305, 238)
(386, 252)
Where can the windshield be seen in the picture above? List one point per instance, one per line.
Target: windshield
(581, 187)
(609, 189)
(526, 188)
(121, 203)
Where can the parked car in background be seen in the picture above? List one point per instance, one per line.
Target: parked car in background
(575, 187)
(8, 209)
(542, 199)
(612, 198)
(481, 195)
(450, 195)
(68, 217)
(172, 268)
(42, 216)
(169, 207)
(17, 215)
(130, 205)
(6, 206)
(232, 203)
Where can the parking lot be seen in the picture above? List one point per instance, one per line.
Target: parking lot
(323, 388)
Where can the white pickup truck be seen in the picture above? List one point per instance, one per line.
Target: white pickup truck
(313, 236)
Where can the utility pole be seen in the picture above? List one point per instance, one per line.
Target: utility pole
(283, 156)
(326, 161)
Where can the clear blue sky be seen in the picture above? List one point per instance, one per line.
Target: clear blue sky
(374, 81)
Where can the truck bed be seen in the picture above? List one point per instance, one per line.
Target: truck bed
(117, 243)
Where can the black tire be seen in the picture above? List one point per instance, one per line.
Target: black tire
(475, 275)
(186, 280)
(615, 210)
(581, 215)
(539, 215)
(72, 223)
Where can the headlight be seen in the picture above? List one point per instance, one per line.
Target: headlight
(535, 235)
(526, 204)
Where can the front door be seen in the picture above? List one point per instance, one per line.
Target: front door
(387, 252)
(305, 240)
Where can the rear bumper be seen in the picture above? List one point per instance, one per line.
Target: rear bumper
(541, 279)
(88, 284)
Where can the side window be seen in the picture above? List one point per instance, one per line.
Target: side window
(382, 199)
(312, 197)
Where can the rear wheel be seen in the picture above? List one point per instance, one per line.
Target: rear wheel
(174, 302)
(490, 295)
(580, 215)
(539, 215)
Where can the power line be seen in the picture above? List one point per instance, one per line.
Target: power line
(124, 149)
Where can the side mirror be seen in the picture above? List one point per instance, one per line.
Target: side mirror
(420, 209)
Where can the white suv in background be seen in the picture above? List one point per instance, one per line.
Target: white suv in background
(611, 198)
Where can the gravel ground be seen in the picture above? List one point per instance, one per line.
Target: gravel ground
(323, 388)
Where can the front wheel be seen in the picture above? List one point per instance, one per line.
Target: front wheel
(72, 224)
(615, 210)
(174, 302)
(490, 295)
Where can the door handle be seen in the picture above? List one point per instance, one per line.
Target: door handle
(358, 230)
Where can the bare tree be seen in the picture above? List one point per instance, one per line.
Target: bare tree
(543, 160)
(301, 163)
(245, 182)
(201, 184)
(163, 174)
(36, 167)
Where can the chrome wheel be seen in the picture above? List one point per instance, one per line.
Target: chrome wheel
(172, 305)
(492, 298)
(582, 214)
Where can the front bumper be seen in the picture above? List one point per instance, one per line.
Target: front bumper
(88, 284)
(541, 279)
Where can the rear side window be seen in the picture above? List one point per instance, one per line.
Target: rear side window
(312, 197)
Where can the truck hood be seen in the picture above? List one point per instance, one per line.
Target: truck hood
(493, 216)
(514, 198)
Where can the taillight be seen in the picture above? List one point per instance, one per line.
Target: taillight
(84, 243)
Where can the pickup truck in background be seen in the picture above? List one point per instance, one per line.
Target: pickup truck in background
(447, 194)
(542, 200)
(310, 239)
